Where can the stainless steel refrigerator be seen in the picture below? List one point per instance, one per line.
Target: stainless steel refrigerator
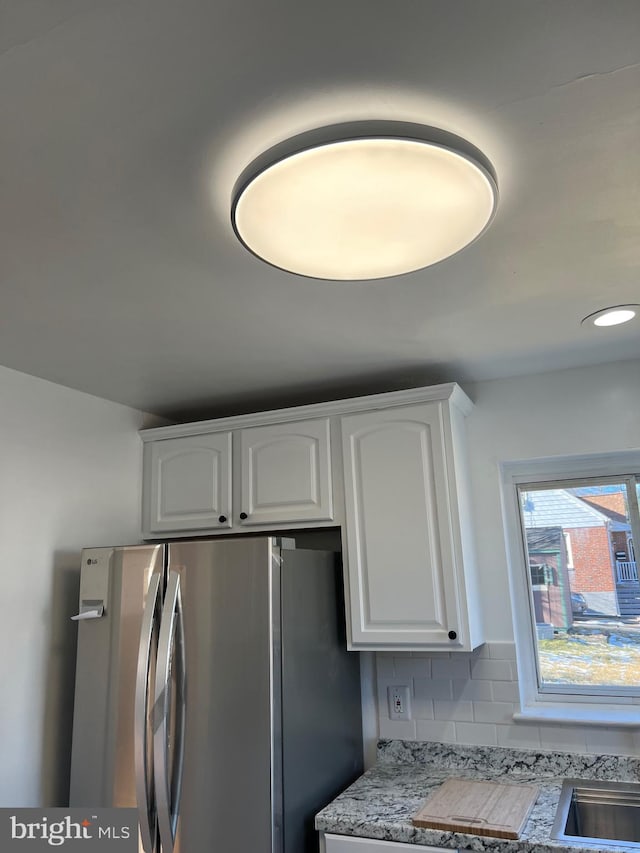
(214, 692)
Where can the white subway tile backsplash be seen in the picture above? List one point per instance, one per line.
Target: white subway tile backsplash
(384, 665)
(433, 688)
(563, 738)
(408, 668)
(470, 698)
(422, 708)
(468, 656)
(444, 710)
(383, 704)
(482, 651)
(443, 731)
(493, 712)
(505, 691)
(483, 734)
(397, 729)
(611, 741)
(453, 668)
(519, 736)
(431, 655)
(502, 651)
(492, 670)
(473, 690)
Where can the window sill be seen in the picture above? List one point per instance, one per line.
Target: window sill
(626, 715)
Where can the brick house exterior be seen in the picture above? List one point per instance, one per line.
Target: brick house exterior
(614, 506)
(592, 565)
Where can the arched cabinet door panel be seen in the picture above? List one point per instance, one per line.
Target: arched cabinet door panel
(406, 578)
(188, 483)
(285, 473)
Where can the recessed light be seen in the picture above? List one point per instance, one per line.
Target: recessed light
(378, 204)
(613, 316)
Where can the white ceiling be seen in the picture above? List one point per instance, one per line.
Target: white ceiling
(124, 125)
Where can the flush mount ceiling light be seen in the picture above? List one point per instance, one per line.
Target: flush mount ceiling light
(364, 201)
(613, 316)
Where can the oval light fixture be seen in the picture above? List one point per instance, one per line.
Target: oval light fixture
(364, 201)
(614, 316)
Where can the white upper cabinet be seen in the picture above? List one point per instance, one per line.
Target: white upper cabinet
(187, 484)
(281, 478)
(410, 561)
(285, 473)
(388, 470)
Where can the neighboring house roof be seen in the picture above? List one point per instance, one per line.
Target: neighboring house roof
(558, 507)
(541, 539)
(612, 514)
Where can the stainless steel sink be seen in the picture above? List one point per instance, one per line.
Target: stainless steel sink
(593, 812)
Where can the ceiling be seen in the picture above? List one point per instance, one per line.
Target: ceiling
(126, 123)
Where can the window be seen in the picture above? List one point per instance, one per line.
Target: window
(538, 575)
(574, 583)
(541, 575)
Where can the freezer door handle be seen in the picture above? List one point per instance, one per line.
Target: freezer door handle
(143, 755)
(169, 714)
(89, 609)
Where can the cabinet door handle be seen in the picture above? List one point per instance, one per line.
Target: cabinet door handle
(222, 519)
(243, 515)
(452, 635)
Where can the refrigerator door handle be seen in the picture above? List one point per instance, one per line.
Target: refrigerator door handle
(169, 761)
(142, 756)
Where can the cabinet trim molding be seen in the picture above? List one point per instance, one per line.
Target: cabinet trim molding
(371, 402)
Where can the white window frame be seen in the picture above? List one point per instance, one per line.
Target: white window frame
(568, 707)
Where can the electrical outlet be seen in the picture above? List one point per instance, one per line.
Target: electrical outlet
(399, 702)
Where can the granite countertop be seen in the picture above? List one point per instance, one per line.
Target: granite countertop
(381, 803)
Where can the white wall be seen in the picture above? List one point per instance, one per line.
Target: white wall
(70, 476)
(583, 410)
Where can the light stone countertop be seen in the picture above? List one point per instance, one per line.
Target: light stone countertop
(381, 803)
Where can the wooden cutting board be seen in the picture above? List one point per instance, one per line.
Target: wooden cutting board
(480, 808)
